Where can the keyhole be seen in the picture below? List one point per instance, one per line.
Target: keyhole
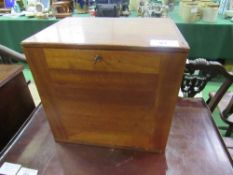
(97, 59)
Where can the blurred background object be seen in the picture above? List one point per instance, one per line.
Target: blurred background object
(62, 9)
(112, 8)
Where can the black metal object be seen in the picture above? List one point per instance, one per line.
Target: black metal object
(107, 10)
(111, 8)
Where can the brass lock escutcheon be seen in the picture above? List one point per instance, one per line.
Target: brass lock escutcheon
(97, 59)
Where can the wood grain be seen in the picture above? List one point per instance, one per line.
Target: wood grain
(126, 99)
(112, 61)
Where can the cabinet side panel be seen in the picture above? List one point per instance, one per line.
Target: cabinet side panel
(38, 66)
(170, 76)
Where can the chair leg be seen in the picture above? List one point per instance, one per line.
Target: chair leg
(229, 131)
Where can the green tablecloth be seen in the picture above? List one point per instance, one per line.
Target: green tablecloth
(208, 40)
(14, 30)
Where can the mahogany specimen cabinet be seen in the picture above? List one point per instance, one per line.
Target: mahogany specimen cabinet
(109, 81)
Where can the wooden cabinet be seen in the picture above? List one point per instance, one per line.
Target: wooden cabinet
(109, 81)
(16, 103)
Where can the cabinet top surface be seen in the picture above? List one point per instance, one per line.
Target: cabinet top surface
(111, 32)
(7, 72)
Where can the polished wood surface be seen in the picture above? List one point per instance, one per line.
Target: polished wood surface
(7, 72)
(123, 33)
(194, 147)
(16, 103)
(221, 106)
(113, 97)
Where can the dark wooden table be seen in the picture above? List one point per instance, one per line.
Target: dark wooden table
(16, 103)
(194, 147)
